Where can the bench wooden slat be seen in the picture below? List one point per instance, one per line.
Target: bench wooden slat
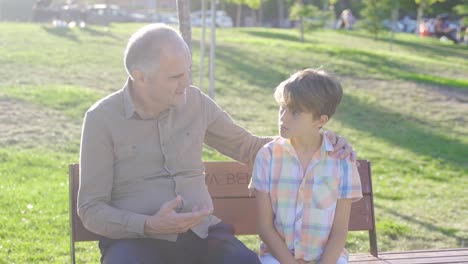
(229, 181)
(238, 212)
(427, 256)
(227, 178)
(451, 255)
(365, 259)
(375, 261)
(429, 252)
(423, 260)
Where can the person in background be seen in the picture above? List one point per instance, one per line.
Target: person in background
(442, 29)
(346, 20)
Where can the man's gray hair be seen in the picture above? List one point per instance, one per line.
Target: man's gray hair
(144, 47)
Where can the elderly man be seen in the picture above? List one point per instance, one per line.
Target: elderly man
(142, 184)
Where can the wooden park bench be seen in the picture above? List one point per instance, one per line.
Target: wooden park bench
(227, 183)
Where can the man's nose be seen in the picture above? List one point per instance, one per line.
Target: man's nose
(186, 80)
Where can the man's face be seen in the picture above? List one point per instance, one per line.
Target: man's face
(166, 85)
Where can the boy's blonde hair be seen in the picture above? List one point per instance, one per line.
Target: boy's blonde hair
(310, 90)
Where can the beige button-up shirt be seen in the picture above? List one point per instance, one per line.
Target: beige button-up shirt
(130, 166)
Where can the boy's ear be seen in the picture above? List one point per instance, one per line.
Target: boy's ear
(323, 120)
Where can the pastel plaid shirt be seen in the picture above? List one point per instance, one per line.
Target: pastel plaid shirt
(304, 206)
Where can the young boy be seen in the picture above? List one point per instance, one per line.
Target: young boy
(303, 194)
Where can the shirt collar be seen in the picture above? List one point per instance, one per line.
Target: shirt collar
(325, 147)
(129, 106)
(326, 144)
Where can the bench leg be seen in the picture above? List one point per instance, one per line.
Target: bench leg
(72, 252)
(373, 243)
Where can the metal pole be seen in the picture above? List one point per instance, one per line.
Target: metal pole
(202, 45)
(212, 48)
(185, 28)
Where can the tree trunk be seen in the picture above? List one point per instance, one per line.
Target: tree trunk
(301, 21)
(254, 18)
(331, 17)
(394, 21)
(260, 14)
(280, 13)
(185, 28)
(239, 15)
(421, 7)
(325, 6)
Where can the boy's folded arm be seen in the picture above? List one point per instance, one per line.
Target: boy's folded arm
(338, 233)
(267, 231)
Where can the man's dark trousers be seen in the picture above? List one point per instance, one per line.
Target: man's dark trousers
(220, 247)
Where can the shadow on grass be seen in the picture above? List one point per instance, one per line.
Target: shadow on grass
(256, 67)
(446, 231)
(395, 68)
(385, 65)
(100, 33)
(248, 68)
(272, 35)
(62, 32)
(428, 48)
(401, 131)
(389, 196)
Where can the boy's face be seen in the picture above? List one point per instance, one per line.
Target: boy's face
(299, 124)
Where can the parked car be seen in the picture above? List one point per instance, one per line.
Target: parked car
(139, 17)
(166, 18)
(222, 19)
(104, 14)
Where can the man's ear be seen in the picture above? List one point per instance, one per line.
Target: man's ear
(138, 76)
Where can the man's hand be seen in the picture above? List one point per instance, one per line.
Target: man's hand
(168, 221)
(341, 147)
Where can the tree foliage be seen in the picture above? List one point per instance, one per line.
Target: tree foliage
(462, 10)
(299, 10)
(253, 4)
(373, 13)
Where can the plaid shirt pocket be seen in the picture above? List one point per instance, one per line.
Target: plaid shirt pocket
(325, 191)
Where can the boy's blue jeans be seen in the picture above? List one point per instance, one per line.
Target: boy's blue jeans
(269, 259)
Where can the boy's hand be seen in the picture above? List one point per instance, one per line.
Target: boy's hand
(342, 149)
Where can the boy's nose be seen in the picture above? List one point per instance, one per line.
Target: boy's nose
(282, 116)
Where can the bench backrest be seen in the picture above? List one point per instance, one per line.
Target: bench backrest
(227, 183)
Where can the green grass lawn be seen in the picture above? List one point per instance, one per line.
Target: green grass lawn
(404, 110)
